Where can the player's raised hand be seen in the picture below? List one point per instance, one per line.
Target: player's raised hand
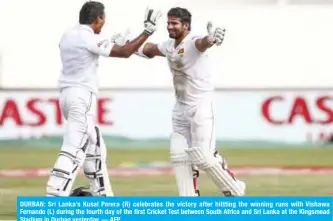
(151, 19)
(216, 35)
(121, 38)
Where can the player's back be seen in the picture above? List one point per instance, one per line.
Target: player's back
(79, 65)
(192, 76)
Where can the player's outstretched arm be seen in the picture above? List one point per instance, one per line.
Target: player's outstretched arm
(130, 47)
(146, 50)
(109, 48)
(149, 50)
(150, 22)
(213, 37)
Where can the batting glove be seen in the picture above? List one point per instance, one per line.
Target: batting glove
(121, 38)
(215, 35)
(151, 18)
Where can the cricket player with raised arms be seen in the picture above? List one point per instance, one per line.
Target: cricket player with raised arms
(83, 145)
(193, 139)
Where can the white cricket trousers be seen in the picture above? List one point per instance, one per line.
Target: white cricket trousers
(82, 142)
(78, 106)
(196, 124)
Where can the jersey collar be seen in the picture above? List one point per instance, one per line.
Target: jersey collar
(87, 27)
(186, 37)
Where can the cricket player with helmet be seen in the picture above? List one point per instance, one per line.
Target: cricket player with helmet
(83, 145)
(193, 139)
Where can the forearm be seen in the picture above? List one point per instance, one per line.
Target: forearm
(132, 46)
(204, 43)
(149, 50)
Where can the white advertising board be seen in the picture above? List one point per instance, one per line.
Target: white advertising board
(276, 116)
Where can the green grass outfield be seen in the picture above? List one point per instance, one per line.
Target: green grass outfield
(263, 185)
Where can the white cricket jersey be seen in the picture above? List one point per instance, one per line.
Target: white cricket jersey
(80, 49)
(192, 77)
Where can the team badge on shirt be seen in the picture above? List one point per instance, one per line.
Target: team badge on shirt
(104, 42)
(180, 51)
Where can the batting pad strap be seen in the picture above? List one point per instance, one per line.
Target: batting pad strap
(62, 173)
(199, 158)
(90, 157)
(179, 158)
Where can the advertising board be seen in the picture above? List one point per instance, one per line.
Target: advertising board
(273, 116)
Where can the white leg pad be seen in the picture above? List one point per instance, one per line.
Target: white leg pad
(65, 170)
(208, 163)
(224, 165)
(181, 165)
(95, 168)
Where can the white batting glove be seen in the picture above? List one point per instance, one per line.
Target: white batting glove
(215, 35)
(151, 19)
(121, 38)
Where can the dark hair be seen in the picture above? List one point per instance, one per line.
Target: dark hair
(90, 11)
(182, 13)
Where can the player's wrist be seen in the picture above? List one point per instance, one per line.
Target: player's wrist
(210, 40)
(148, 32)
(149, 28)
